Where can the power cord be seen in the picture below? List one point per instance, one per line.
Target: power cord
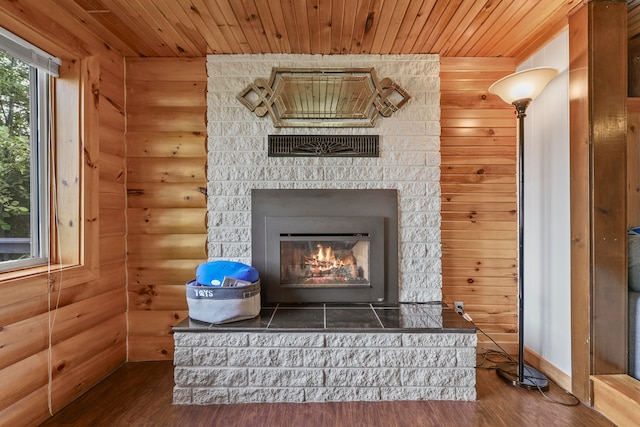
(496, 364)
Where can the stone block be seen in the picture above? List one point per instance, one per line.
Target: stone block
(182, 395)
(209, 396)
(360, 377)
(365, 340)
(182, 356)
(266, 395)
(342, 394)
(466, 357)
(204, 339)
(209, 356)
(418, 357)
(466, 393)
(279, 377)
(265, 357)
(439, 340)
(418, 393)
(279, 340)
(342, 357)
(209, 377)
(438, 377)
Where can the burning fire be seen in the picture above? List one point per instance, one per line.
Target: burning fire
(323, 260)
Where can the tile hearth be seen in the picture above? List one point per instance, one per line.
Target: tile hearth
(327, 352)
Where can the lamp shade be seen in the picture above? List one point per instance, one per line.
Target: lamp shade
(525, 84)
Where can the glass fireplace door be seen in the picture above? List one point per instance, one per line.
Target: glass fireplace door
(324, 260)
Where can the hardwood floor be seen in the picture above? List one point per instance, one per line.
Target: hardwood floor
(139, 394)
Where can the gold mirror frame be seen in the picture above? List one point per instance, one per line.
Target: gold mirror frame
(323, 97)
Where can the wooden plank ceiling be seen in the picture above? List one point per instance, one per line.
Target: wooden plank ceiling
(194, 28)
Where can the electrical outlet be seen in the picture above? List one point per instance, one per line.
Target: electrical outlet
(458, 307)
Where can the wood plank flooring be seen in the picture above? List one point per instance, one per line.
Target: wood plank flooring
(139, 394)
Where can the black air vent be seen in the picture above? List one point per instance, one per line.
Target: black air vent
(323, 145)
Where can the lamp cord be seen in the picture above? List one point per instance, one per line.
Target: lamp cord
(496, 364)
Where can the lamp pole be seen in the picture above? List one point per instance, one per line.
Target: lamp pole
(521, 106)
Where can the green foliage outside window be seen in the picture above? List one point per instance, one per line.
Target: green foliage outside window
(15, 148)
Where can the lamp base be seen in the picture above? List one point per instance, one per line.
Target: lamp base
(532, 379)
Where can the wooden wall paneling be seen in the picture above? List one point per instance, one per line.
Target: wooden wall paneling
(155, 323)
(165, 70)
(151, 298)
(167, 144)
(146, 119)
(144, 347)
(167, 221)
(167, 169)
(166, 178)
(116, 224)
(112, 140)
(26, 375)
(68, 387)
(68, 354)
(478, 197)
(72, 301)
(31, 410)
(166, 195)
(112, 168)
(169, 246)
(29, 336)
(113, 248)
(111, 89)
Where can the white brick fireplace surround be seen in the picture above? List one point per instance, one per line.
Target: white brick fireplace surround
(409, 159)
(263, 361)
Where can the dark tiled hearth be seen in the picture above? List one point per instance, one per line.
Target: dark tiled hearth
(410, 317)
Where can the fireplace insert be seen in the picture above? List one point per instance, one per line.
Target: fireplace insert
(326, 245)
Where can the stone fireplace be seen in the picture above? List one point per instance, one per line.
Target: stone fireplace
(395, 342)
(408, 162)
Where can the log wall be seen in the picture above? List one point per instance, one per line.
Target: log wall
(166, 180)
(63, 331)
(478, 184)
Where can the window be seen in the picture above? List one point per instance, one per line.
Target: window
(25, 74)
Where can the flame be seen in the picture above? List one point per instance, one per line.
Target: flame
(324, 258)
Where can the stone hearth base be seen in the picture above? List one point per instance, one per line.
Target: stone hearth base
(334, 353)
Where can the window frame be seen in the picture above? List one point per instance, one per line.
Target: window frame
(74, 232)
(39, 140)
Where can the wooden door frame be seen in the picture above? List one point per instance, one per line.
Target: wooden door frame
(598, 126)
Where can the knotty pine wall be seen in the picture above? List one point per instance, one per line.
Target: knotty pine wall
(87, 318)
(166, 159)
(478, 185)
(166, 178)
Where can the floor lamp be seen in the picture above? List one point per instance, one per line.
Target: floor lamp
(519, 89)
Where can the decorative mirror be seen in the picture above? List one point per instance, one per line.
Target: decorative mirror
(329, 97)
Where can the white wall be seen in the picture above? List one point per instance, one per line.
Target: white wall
(547, 212)
(409, 159)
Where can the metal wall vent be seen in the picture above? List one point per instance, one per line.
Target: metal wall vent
(323, 145)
